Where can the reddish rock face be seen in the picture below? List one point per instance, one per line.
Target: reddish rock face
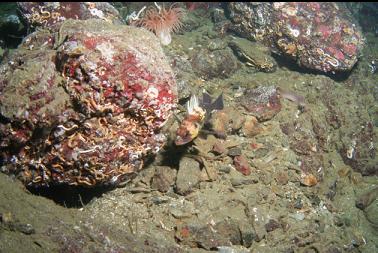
(87, 112)
(319, 36)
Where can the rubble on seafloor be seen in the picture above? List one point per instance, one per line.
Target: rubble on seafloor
(289, 164)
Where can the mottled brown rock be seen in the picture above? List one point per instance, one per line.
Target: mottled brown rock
(212, 64)
(262, 102)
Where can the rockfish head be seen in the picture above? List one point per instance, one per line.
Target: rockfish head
(195, 118)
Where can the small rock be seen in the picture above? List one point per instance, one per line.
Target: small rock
(158, 200)
(27, 229)
(272, 225)
(247, 234)
(235, 151)
(297, 216)
(282, 177)
(211, 64)
(242, 165)
(180, 214)
(209, 236)
(237, 179)
(225, 168)
(219, 148)
(235, 182)
(309, 180)
(188, 175)
(219, 122)
(298, 203)
(226, 249)
(163, 179)
(251, 127)
(237, 121)
(367, 198)
(262, 102)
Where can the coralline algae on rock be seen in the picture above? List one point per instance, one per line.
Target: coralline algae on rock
(319, 36)
(84, 106)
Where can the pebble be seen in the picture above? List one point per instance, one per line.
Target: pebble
(309, 180)
(297, 216)
(158, 200)
(235, 151)
(272, 225)
(242, 165)
(225, 168)
(219, 148)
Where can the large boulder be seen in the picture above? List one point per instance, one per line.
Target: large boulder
(318, 36)
(52, 14)
(85, 105)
